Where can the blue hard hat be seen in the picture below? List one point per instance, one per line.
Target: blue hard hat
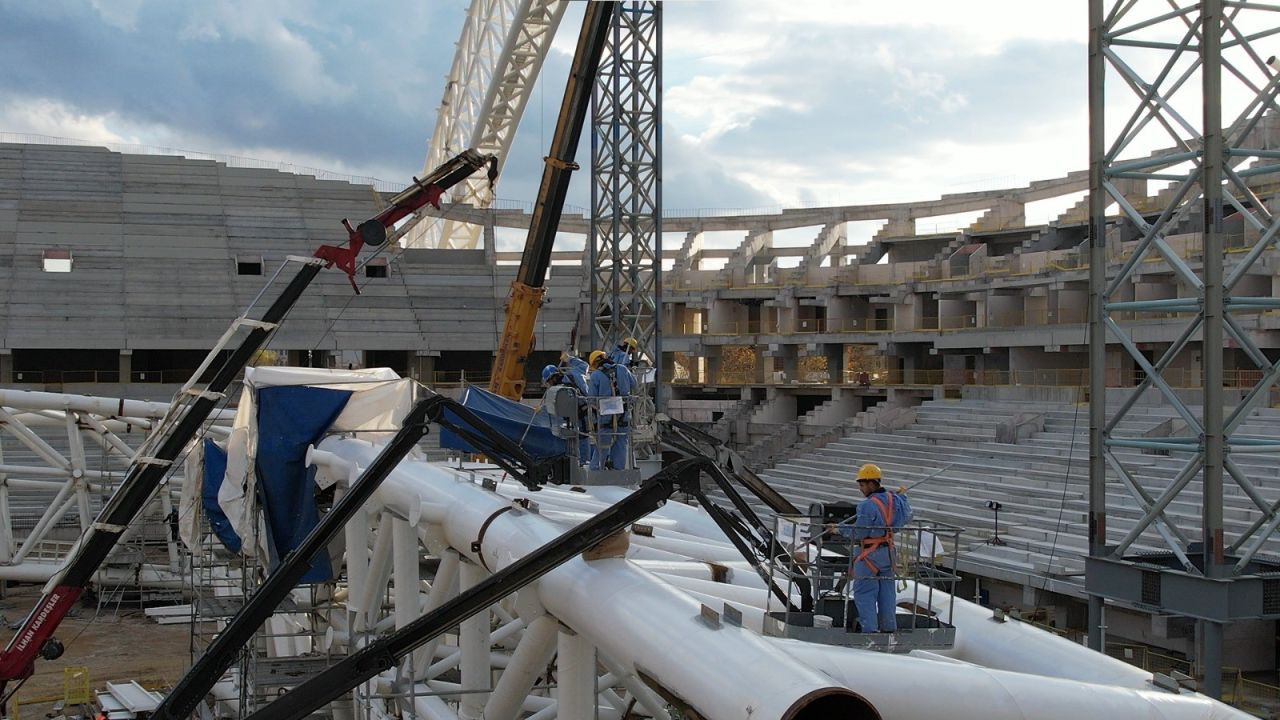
(548, 371)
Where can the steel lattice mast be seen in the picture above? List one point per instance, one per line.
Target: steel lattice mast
(1175, 58)
(625, 245)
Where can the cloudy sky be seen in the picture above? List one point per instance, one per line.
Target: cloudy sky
(767, 103)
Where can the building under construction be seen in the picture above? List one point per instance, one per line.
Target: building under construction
(1093, 481)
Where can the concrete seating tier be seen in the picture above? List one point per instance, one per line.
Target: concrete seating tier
(1041, 482)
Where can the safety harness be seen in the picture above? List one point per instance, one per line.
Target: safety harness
(869, 545)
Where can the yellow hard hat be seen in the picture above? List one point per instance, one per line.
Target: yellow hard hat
(631, 343)
(870, 471)
(595, 357)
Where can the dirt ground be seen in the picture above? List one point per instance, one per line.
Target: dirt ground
(114, 645)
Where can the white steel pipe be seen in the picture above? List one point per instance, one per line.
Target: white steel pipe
(474, 640)
(576, 675)
(444, 586)
(913, 687)
(1019, 647)
(356, 533)
(645, 697)
(379, 573)
(454, 658)
(107, 407)
(632, 615)
(529, 660)
(405, 570)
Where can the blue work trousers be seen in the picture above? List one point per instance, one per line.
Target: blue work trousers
(874, 593)
(611, 446)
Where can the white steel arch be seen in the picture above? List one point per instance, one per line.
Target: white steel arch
(499, 55)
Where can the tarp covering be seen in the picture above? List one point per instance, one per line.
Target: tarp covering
(215, 467)
(530, 428)
(379, 401)
(289, 419)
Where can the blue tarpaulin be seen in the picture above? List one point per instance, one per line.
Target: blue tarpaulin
(290, 418)
(215, 467)
(529, 428)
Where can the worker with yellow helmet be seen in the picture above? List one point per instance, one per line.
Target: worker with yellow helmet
(625, 353)
(611, 384)
(874, 594)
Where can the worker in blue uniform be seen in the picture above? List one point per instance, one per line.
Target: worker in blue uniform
(878, 514)
(624, 354)
(610, 384)
(553, 375)
(576, 369)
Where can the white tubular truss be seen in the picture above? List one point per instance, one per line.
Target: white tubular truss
(621, 628)
(58, 453)
(499, 55)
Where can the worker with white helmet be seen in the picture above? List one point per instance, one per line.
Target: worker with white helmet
(611, 384)
(877, 515)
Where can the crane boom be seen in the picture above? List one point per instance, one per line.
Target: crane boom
(515, 345)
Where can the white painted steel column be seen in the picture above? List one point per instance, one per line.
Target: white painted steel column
(527, 663)
(444, 587)
(576, 676)
(473, 637)
(379, 574)
(357, 539)
(406, 571)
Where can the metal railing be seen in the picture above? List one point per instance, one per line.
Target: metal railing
(1053, 377)
(922, 554)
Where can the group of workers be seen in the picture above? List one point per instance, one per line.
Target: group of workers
(604, 382)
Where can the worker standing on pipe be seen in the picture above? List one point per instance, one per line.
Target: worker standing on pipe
(611, 384)
(873, 579)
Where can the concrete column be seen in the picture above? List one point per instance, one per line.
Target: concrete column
(790, 362)
(126, 366)
(712, 365)
(834, 353)
(422, 367)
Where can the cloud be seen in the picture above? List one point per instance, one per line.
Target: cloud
(766, 103)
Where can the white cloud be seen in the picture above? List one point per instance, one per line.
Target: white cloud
(717, 105)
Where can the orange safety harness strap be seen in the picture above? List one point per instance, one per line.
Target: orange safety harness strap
(870, 544)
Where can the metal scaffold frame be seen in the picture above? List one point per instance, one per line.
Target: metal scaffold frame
(499, 55)
(1214, 169)
(625, 244)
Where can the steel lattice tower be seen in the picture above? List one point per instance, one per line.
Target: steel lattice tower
(625, 244)
(1186, 64)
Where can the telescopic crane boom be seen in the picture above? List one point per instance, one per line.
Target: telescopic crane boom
(147, 471)
(515, 345)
